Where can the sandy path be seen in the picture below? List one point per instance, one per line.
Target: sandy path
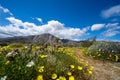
(102, 70)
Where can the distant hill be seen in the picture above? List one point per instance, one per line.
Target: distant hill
(40, 39)
(67, 42)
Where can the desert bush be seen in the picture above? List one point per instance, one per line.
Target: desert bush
(88, 42)
(104, 50)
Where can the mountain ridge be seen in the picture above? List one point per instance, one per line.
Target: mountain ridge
(40, 39)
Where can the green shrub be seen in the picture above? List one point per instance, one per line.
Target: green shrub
(104, 50)
(88, 42)
(3, 44)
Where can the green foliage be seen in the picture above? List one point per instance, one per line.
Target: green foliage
(88, 42)
(43, 63)
(104, 50)
(3, 44)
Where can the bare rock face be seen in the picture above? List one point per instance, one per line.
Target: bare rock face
(45, 38)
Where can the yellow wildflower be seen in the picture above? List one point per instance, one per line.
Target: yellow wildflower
(40, 77)
(7, 62)
(54, 76)
(99, 54)
(116, 58)
(42, 56)
(72, 66)
(91, 68)
(86, 63)
(62, 78)
(80, 68)
(41, 69)
(69, 73)
(71, 78)
(90, 72)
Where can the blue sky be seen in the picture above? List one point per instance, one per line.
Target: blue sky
(68, 19)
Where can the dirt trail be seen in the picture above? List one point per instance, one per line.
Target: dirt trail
(103, 70)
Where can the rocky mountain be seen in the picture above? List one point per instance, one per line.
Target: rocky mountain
(45, 38)
(40, 39)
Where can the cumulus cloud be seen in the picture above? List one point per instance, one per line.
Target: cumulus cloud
(5, 10)
(112, 29)
(97, 26)
(113, 11)
(14, 21)
(53, 27)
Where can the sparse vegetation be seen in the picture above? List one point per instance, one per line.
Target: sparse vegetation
(104, 51)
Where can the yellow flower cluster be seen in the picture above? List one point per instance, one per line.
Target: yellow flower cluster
(86, 64)
(80, 68)
(43, 56)
(91, 68)
(7, 62)
(41, 69)
(40, 77)
(54, 76)
(69, 73)
(116, 58)
(72, 66)
(71, 78)
(66, 50)
(61, 78)
(90, 72)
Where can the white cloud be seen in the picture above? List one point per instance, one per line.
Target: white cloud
(111, 33)
(113, 11)
(97, 26)
(113, 25)
(112, 29)
(14, 21)
(39, 19)
(53, 27)
(5, 10)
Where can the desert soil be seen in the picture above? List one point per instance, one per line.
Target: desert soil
(103, 70)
